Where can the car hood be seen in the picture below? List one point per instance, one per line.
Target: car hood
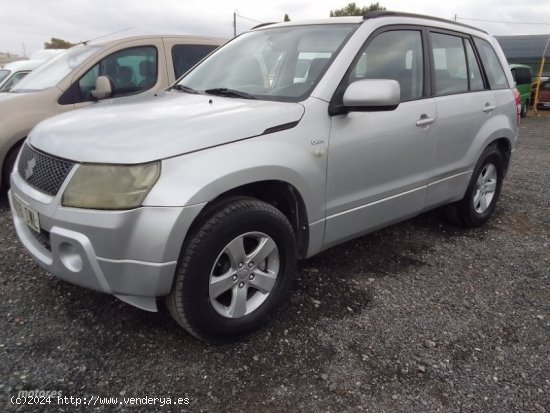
(158, 126)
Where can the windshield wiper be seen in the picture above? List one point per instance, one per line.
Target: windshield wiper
(232, 93)
(185, 89)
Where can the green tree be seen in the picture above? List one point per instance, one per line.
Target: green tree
(287, 19)
(353, 10)
(56, 43)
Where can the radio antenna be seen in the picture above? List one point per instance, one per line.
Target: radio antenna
(105, 35)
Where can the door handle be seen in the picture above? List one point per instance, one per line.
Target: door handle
(489, 108)
(425, 120)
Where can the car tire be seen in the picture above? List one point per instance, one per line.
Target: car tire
(233, 270)
(523, 112)
(483, 191)
(9, 163)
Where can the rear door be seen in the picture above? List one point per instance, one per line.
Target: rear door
(464, 105)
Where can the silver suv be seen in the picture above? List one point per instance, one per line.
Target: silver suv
(286, 141)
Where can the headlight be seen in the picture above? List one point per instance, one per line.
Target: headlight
(97, 186)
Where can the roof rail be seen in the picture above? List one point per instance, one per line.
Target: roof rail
(386, 13)
(263, 24)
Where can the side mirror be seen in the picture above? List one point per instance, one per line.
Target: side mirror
(372, 95)
(103, 88)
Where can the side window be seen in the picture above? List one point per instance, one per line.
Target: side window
(15, 78)
(476, 80)
(397, 55)
(449, 64)
(491, 63)
(185, 56)
(130, 70)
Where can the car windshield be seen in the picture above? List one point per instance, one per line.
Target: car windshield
(282, 63)
(51, 73)
(3, 74)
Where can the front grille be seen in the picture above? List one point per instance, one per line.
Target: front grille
(43, 172)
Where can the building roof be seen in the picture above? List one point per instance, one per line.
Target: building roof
(528, 46)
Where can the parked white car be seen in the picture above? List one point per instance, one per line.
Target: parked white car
(13, 72)
(122, 67)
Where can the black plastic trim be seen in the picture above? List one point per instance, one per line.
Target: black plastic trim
(280, 128)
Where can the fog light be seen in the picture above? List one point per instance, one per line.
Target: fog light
(70, 257)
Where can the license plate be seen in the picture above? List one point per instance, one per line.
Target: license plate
(27, 214)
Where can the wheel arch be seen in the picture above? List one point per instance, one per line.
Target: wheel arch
(11, 145)
(505, 148)
(282, 195)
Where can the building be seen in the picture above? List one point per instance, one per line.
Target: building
(526, 50)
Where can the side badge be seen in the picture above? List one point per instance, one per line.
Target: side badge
(317, 141)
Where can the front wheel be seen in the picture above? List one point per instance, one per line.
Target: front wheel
(483, 192)
(234, 270)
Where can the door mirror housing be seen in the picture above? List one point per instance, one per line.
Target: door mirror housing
(103, 88)
(372, 95)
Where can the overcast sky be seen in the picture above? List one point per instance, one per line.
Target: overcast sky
(33, 22)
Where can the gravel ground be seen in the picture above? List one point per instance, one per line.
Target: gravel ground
(418, 317)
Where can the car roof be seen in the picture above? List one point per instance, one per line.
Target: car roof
(190, 39)
(394, 16)
(23, 65)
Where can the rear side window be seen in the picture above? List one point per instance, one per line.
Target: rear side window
(491, 63)
(185, 56)
(476, 80)
(451, 69)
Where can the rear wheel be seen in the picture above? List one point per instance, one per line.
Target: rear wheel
(234, 270)
(483, 192)
(523, 112)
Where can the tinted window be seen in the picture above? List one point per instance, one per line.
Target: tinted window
(394, 55)
(130, 70)
(185, 56)
(493, 68)
(449, 63)
(522, 75)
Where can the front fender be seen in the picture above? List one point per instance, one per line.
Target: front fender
(200, 177)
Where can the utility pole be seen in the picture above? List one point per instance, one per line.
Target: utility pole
(536, 101)
(234, 23)
(24, 51)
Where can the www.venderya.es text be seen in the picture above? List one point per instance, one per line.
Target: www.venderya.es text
(57, 398)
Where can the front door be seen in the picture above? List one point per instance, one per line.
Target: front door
(379, 162)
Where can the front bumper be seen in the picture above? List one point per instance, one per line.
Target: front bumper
(130, 254)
